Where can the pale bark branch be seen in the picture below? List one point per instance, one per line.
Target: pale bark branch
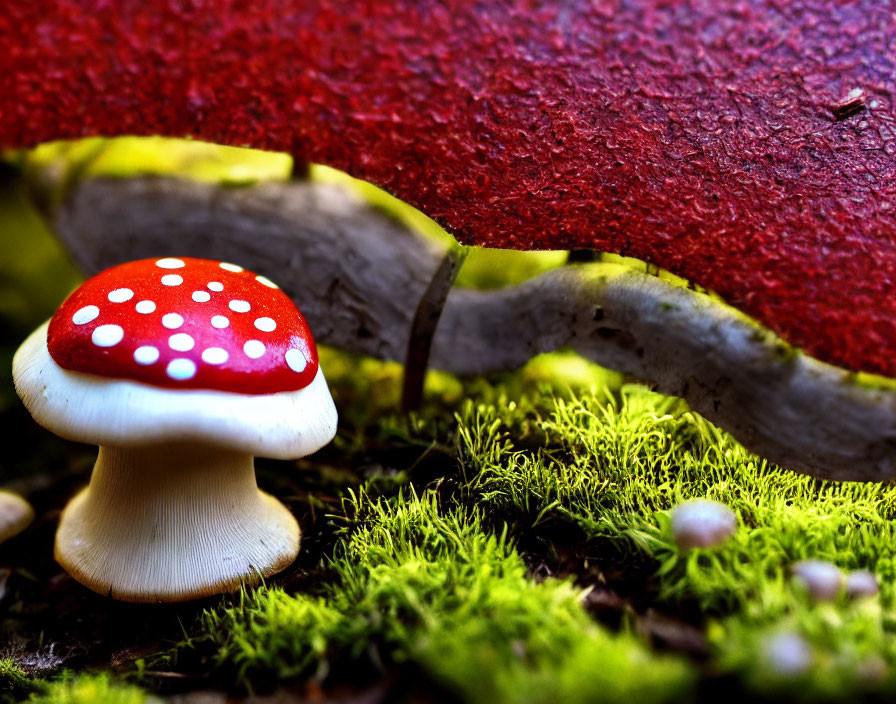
(358, 276)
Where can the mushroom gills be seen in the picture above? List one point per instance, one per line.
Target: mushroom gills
(173, 522)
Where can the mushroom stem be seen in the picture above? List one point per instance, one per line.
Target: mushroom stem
(163, 521)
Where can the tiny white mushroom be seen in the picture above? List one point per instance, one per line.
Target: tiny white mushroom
(787, 654)
(701, 523)
(15, 515)
(861, 584)
(821, 579)
(873, 668)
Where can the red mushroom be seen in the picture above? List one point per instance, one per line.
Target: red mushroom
(747, 147)
(181, 370)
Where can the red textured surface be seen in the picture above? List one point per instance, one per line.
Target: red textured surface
(717, 140)
(171, 320)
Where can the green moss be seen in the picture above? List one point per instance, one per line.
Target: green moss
(420, 584)
(123, 157)
(34, 276)
(91, 689)
(14, 681)
(612, 468)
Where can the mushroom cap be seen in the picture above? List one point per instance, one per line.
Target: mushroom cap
(185, 323)
(822, 579)
(15, 515)
(85, 383)
(861, 584)
(787, 654)
(702, 523)
(730, 143)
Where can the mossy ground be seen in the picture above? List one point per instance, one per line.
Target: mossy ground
(510, 542)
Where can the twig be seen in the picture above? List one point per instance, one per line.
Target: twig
(426, 318)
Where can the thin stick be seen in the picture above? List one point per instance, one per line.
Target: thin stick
(423, 329)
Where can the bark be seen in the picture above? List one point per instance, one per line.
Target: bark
(358, 277)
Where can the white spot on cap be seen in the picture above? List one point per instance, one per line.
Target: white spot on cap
(227, 266)
(85, 315)
(296, 360)
(172, 280)
(266, 281)
(254, 349)
(220, 322)
(146, 307)
(120, 295)
(181, 369)
(107, 335)
(181, 342)
(172, 321)
(265, 324)
(239, 306)
(170, 263)
(201, 296)
(215, 285)
(146, 354)
(215, 355)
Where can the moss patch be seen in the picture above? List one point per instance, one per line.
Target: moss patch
(417, 583)
(91, 689)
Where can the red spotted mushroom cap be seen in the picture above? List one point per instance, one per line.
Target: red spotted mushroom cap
(178, 350)
(185, 323)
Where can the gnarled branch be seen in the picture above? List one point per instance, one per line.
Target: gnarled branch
(357, 275)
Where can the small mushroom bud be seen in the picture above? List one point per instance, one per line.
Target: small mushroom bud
(787, 654)
(861, 584)
(821, 579)
(15, 515)
(701, 523)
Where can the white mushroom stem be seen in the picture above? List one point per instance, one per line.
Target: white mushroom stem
(358, 276)
(173, 522)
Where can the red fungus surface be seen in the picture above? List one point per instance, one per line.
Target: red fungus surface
(185, 323)
(747, 146)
